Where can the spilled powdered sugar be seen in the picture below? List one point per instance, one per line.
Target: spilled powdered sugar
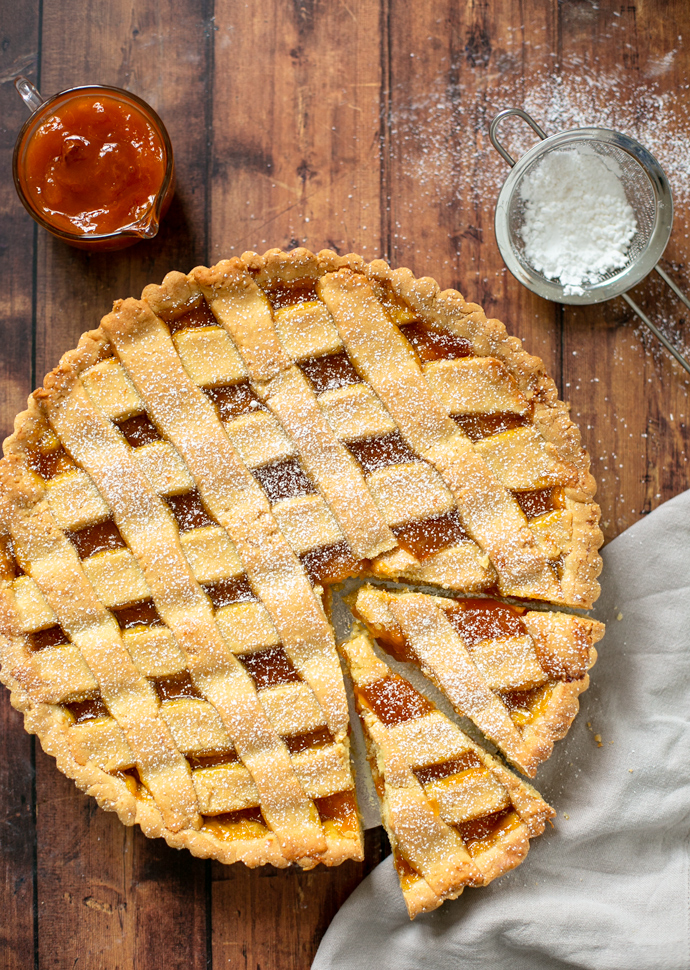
(578, 223)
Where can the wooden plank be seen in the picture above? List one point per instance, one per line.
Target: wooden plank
(273, 919)
(629, 397)
(296, 161)
(161, 52)
(107, 896)
(18, 55)
(296, 127)
(453, 67)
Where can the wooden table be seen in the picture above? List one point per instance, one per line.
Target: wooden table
(358, 126)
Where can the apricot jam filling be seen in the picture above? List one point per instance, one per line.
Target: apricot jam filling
(270, 668)
(246, 824)
(227, 591)
(87, 710)
(340, 810)
(212, 759)
(478, 426)
(424, 538)
(138, 430)
(199, 316)
(233, 400)
(445, 769)
(479, 619)
(54, 636)
(330, 564)
(539, 501)
(48, 464)
(143, 613)
(431, 344)
(283, 479)
(291, 294)
(480, 833)
(93, 539)
(175, 686)
(379, 451)
(393, 700)
(189, 511)
(329, 372)
(319, 738)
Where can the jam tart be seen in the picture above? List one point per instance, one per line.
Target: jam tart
(201, 468)
(455, 816)
(516, 673)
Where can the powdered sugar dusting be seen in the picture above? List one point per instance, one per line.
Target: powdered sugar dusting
(448, 167)
(578, 224)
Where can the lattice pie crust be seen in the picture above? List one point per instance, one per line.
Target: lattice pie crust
(192, 477)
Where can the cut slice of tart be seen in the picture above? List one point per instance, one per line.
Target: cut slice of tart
(455, 816)
(516, 673)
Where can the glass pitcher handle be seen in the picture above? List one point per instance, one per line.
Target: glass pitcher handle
(30, 95)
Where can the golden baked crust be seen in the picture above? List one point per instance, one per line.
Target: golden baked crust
(189, 479)
(516, 673)
(455, 816)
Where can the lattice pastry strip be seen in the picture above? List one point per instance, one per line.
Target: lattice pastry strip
(124, 491)
(454, 815)
(517, 674)
(339, 480)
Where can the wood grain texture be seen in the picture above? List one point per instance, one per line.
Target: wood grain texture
(361, 126)
(18, 53)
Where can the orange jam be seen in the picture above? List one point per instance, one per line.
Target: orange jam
(95, 165)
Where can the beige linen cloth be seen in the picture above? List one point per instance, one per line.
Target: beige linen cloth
(607, 888)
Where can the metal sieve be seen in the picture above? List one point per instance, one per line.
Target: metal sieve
(646, 188)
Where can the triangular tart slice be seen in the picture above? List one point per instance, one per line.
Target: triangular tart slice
(455, 816)
(516, 673)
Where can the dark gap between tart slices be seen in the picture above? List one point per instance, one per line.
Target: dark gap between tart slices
(478, 426)
(199, 316)
(341, 809)
(143, 613)
(175, 686)
(330, 564)
(447, 768)
(540, 500)
(486, 828)
(393, 700)
(431, 344)
(319, 738)
(93, 539)
(292, 294)
(283, 479)
(424, 538)
(329, 372)
(212, 759)
(189, 511)
(483, 619)
(227, 591)
(54, 636)
(48, 464)
(270, 668)
(233, 400)
(138, 430)
(380, 451)
(87, 710)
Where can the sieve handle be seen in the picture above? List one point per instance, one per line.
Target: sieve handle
(501, 116)
(655, 330)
